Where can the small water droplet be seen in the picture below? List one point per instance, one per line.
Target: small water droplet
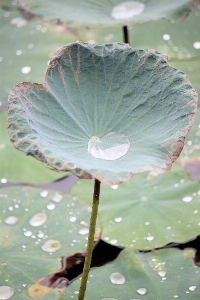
(162, 273)
(38, 219)
(127, 10)
(150, 238)
(57, 197)
(113, 242)
(51, 206)
(117, 278)
(110, 146)
(83, 231)
(6, 292)
(18, 22)
(44, 193)
(175, 296)
(196, 45)
(114, 187)
(108, 299)
(192, 288)
(3, 180)
(26, 70)
(51, 246)
(12, 220)
(118, 219)
(142, 291)
(28, 233)
(72, 219)
(147, 223)
(166, 37)
(18, 52)
(187, 199)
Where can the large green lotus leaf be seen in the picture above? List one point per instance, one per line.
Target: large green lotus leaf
(23, 54)
(161, 275)
(31, 219)
(110, 12)
(15, 166)
(105, 112)
(149, 211)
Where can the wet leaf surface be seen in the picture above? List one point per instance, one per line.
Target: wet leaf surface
(15, 166)
(37, 228)
(105, 112)
(149, 211)
(108, 13)
(163, 275)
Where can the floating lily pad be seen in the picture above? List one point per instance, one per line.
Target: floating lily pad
(149, 211)
(105, 112)
(163, 275)
(37, 228)
(15, 166)
(24, 55)
(95, 13)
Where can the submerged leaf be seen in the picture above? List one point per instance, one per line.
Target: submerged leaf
(105, 112)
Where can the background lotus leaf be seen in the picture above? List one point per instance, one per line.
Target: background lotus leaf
(110, 12)
(30, 219)
(149, 211)
(163, 275)
(14, 166)
(108, 98)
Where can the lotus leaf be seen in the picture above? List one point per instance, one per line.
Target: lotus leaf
(105, 112)
(110, 12)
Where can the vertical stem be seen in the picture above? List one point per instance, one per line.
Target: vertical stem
(125, 34)
(90, 244)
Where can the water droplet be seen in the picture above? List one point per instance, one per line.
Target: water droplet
(114, 187)
(38, 219)
(187, 199)
(72, 219)
(118, 219)
(166, 37)
(28, 233)
(196, 45)
(150, 238)
(57, 198)
(175, 296)
(12, 220)
(117, 278)
(142, 291)
(192, 288)
(110, 146)
(147, 223)
(3, 180)
(113, 242)
(51, 206)
(6, 292)
(18, 22)
(44, 193)
(51, 246)
(18, 52)
(127, 10)
(162, 273)
(83, 231)
(26, 70)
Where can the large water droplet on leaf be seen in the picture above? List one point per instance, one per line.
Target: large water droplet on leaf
(109, 146)
(6, 292)
(117, 278)
(12, 220)
(142, 291)
(187, 199)
(192, 288)
(38, 219)
(83, 231)
(127, 10)
(51, 246)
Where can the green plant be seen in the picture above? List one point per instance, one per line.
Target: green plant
(37, 129)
